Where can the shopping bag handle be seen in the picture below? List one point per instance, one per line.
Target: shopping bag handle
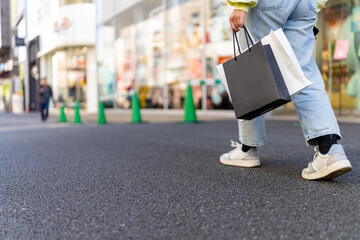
(247, 33)
(237, 41)
(247, 37)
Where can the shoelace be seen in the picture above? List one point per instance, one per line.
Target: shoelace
(235, 144)
(316, 149)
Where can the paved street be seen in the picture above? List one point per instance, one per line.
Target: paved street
(164, 181)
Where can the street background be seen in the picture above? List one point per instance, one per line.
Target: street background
(159, 178)
(106, 50)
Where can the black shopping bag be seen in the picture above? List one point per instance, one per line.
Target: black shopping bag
(254, 79)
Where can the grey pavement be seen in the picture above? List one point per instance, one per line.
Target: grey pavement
(164, 181)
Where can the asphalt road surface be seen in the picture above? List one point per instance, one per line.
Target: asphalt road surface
(164, 181)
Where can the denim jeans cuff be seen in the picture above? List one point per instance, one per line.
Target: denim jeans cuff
(253, 144)
(311, 140)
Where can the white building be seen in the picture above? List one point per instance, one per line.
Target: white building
(61, 47)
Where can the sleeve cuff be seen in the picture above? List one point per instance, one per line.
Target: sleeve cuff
(242, 6)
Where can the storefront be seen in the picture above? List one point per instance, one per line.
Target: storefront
(339, 59)
(130, 53)
(6, 64)
(19, 100)
(157, 47)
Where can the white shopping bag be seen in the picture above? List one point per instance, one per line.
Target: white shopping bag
(222, 76)
(290, 68)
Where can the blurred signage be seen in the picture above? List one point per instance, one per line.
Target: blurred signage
(43, 10)
(7, 66)
(62, 25)
(341, 49)
(5, 69)
(17, 103)
(19, 42)
(0, 26)
(355, 19)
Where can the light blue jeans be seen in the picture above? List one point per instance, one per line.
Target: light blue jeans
(296, 18)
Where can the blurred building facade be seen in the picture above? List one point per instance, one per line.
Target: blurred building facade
(92, 50)
(157, 46)
(47, 39)
(6, 65)
(18, 56)
(61, 48)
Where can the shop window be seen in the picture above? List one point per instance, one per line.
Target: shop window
(69, 74)
(184, 50)
(339, 73)
(218, 50)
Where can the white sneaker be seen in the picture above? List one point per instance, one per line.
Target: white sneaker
(331, 165)
(239, 158)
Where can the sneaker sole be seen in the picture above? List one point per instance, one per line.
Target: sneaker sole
(241, 163)
(332, 171)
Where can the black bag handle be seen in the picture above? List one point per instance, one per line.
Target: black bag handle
(235, 38)
(247, 37)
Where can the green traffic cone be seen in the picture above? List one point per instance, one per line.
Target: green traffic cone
(62, 116)
(296, 124)
(190, 110)
(101, 117)
(77, 117)
(135, 109)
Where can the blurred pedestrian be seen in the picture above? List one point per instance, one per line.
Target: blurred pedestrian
(45, 92)
(317, 118)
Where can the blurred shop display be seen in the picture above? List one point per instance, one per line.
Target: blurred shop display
(340, 55)
(106, 49)
(5, 93)
(17, 96)
(69, 75)
(156, 47)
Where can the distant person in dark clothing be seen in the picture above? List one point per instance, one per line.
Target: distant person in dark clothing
(45, 95)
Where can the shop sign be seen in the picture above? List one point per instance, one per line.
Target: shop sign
(64, 24)
(19, 42)
(355, 20)
(6, 67)
(341, 49)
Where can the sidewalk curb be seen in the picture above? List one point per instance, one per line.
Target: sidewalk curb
(176, 115)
